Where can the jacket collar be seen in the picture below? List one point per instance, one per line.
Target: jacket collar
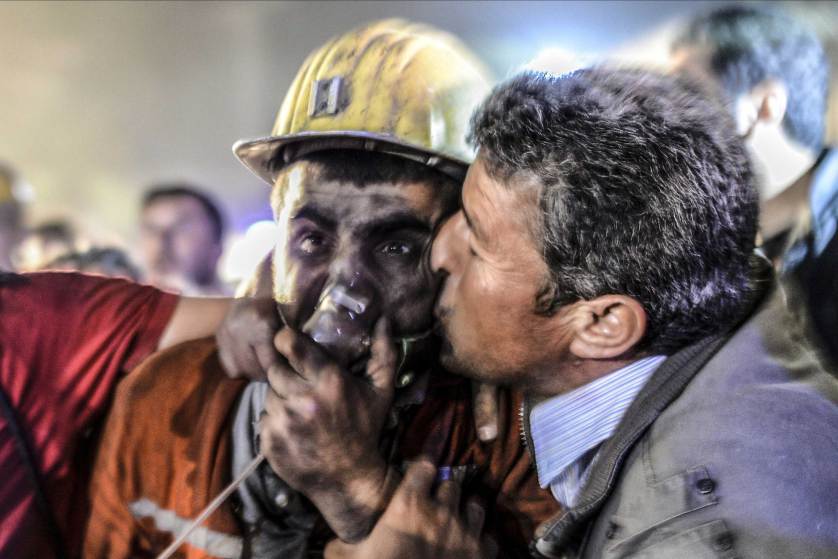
(663, 388)
(554, 536)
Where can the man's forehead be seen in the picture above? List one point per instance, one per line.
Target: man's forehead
(174, 201)
(172, 208)
(482, 195)
(491, 207)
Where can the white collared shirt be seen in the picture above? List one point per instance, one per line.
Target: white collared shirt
(568, 429)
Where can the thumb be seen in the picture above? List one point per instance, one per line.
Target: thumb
(417, 480)
(485, 410)
(381, 368)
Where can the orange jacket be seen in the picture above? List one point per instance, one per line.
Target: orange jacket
(166, 453)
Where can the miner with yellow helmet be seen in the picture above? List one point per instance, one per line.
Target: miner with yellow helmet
(366, 160)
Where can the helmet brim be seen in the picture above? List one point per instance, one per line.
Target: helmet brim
(265, 157)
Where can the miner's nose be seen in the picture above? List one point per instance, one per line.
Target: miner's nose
(347, 299)
(350, 289)
(449, 245)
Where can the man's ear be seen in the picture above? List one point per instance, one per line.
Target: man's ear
(765, 104)
(607, 327)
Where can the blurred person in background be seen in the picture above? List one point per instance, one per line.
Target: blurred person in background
(45, 243)
(11, 216)
(107, 261)
(181, 240)
(775, 73)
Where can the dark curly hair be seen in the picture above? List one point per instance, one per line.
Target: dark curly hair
(748, 44)
(645, 190)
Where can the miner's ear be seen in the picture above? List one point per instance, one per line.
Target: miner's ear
(607, 327)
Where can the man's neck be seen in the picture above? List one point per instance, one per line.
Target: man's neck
(784, 210)
(573, 375)
(786, 168)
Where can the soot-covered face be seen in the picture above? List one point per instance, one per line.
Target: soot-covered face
(348, 254)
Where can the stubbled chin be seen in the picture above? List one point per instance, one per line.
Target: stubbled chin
(452, 362)
(447, 355)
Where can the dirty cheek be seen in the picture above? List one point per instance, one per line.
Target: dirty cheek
(286, 197)
(297, 287)
(409, 300)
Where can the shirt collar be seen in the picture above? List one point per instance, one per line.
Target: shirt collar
(565, 427)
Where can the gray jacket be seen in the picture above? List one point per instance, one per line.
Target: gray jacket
(731, 450)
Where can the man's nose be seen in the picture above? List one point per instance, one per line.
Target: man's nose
(163, 239)
(157, 245)
(445, 249)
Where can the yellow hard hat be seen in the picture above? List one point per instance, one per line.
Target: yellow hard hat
(392, 86)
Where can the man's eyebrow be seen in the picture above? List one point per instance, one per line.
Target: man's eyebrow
(398, 221)
(312, 213)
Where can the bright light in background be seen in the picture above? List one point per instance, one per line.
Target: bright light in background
(246, 251)
(558, 60)
(23, 191)
(650, 50)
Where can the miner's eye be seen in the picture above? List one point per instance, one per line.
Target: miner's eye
(312, 243)
(396, 248)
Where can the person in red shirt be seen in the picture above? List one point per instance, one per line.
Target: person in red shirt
(65, 341)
